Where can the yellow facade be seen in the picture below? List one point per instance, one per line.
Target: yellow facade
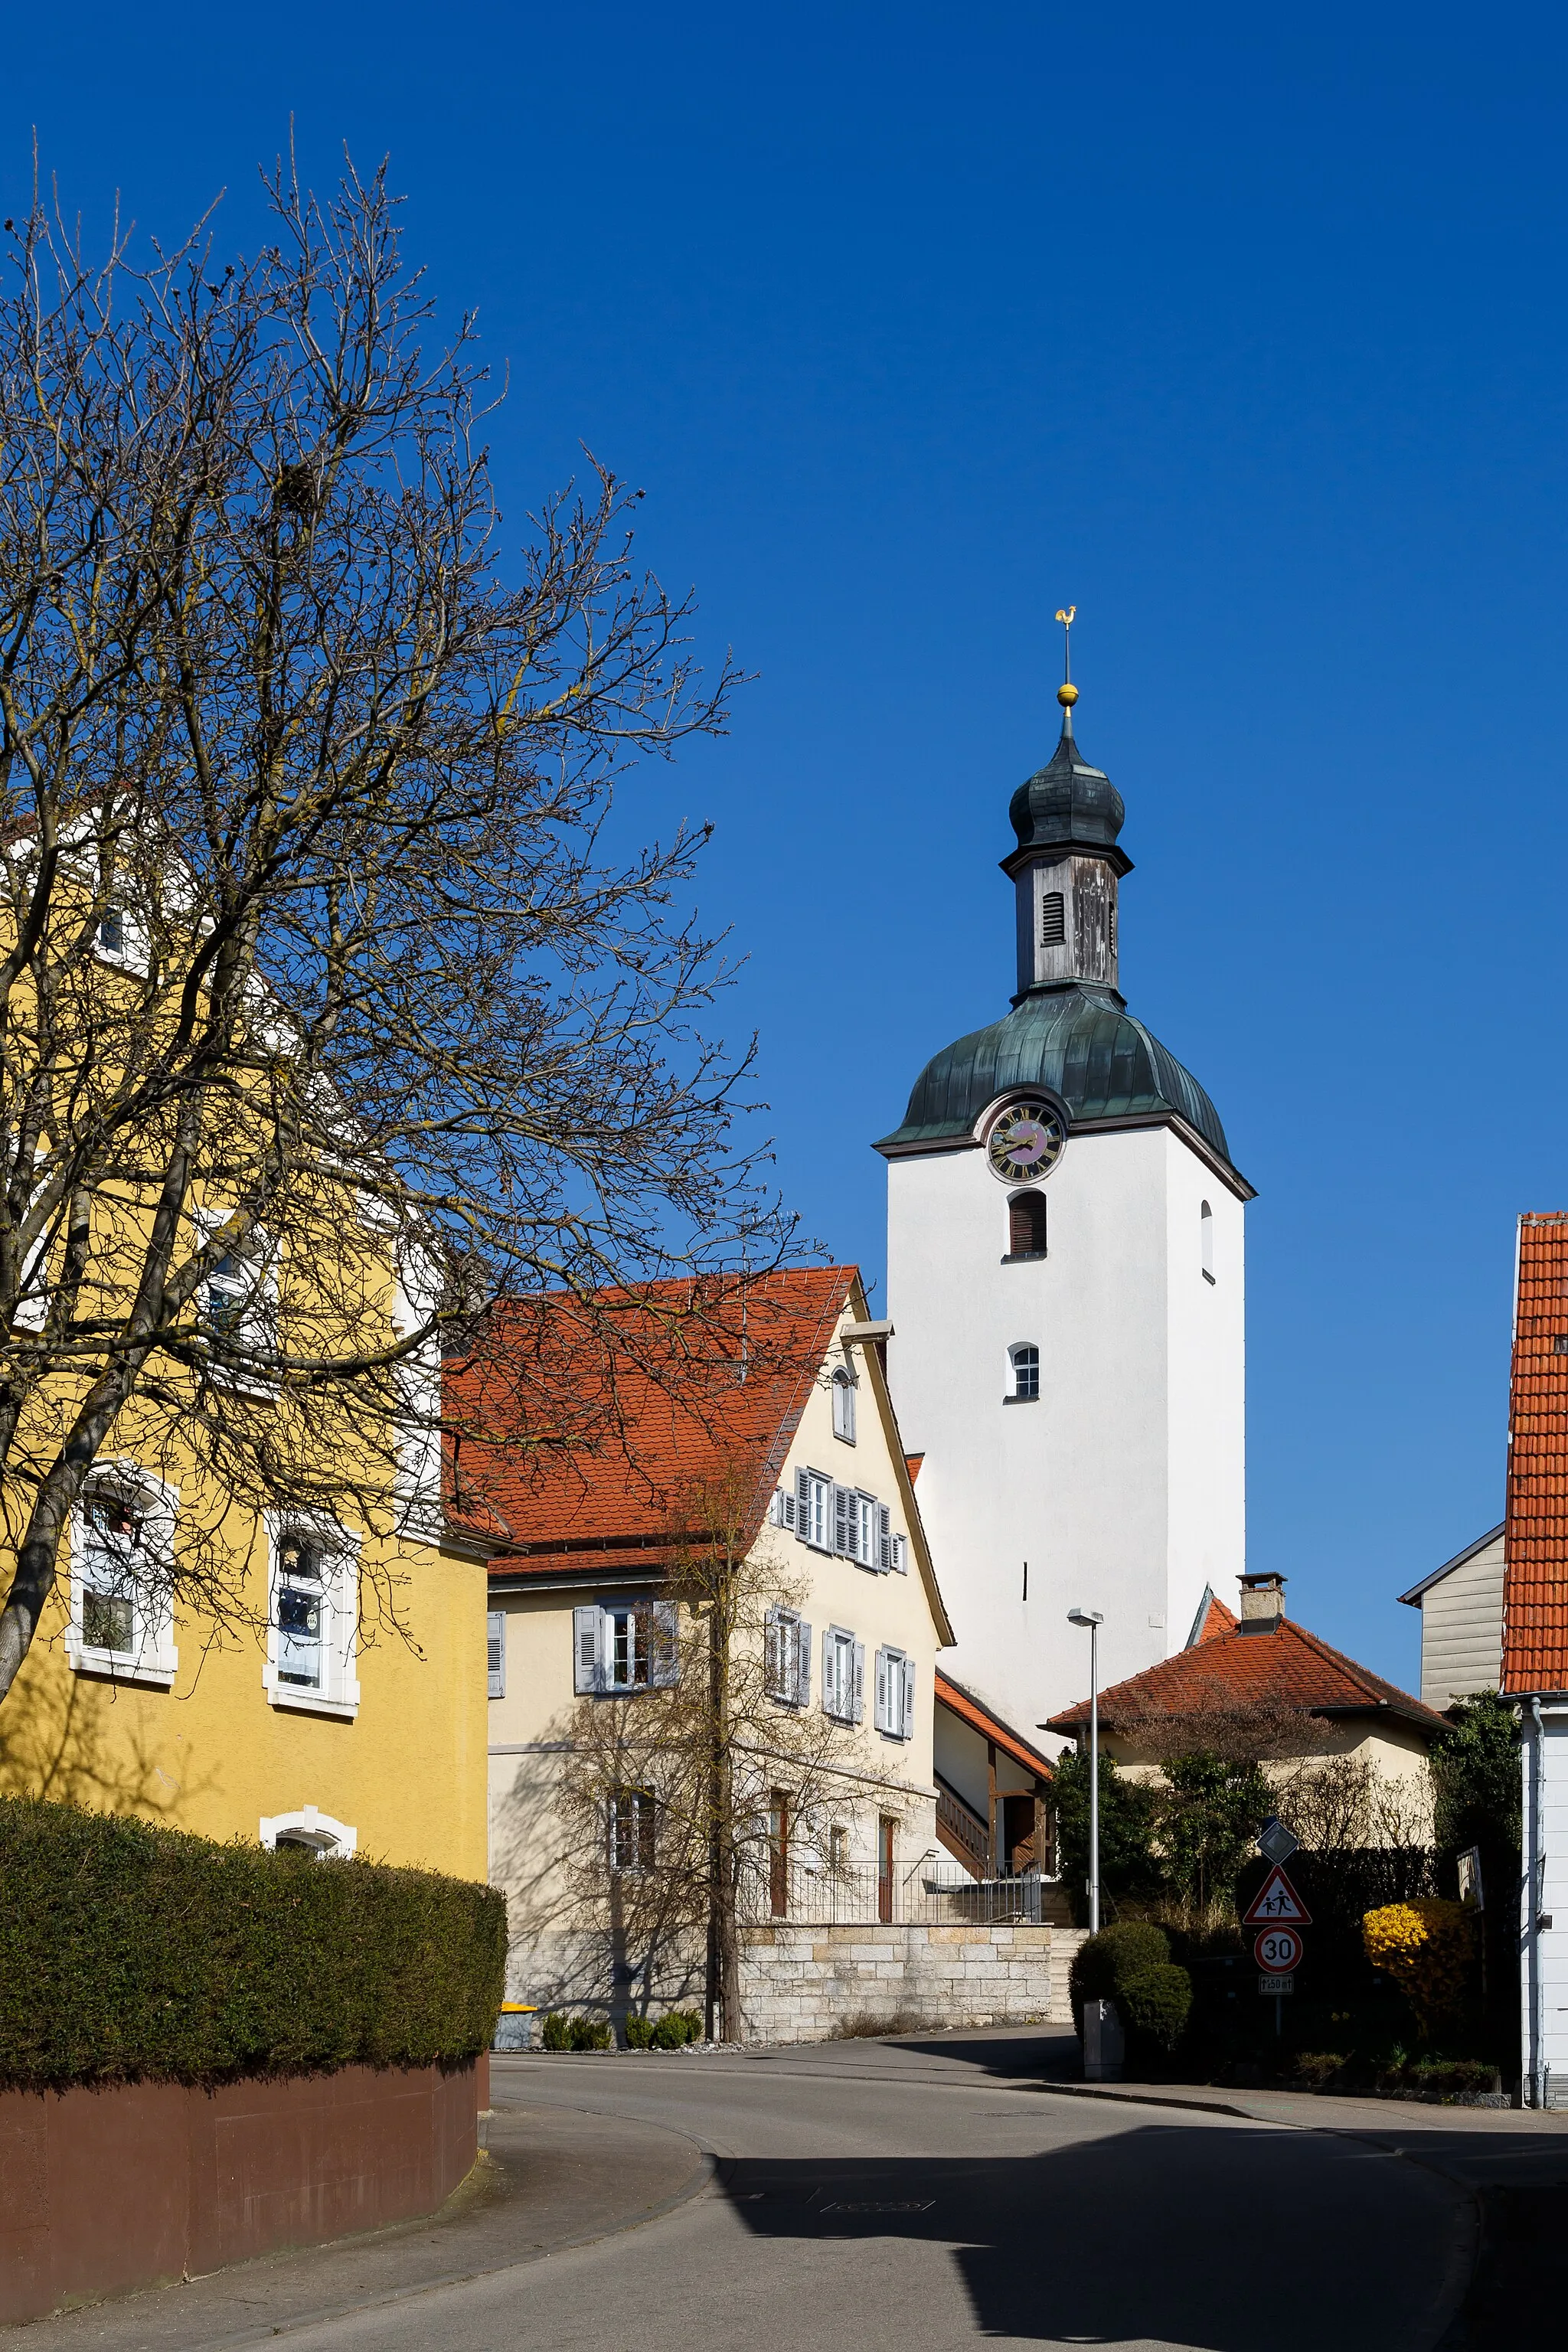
(217, 1753)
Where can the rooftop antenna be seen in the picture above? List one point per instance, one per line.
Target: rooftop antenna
(1067, 693)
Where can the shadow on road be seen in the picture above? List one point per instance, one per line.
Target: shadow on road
(1226, 2240)
(1054, 2053)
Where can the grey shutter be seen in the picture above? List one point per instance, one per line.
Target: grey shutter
(803, 1688)
(907, 1725)
(494, 1649)
(843, 1522)
(884, 1538)
(587, 1650)
(830, 1674)
(776, 1508)
(858, 1713)
(900, 1556)
(664, 1665)
(773, 1654)
(883, 1714)
(803, 1503)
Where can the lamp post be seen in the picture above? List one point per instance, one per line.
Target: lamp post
(1094, 1619)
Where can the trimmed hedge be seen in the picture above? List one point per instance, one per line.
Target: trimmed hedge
(1130, 1964)
(130, 1953)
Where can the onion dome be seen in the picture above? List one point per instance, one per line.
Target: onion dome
(1068, 804)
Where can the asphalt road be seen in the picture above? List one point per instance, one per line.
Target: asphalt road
(887, 2198)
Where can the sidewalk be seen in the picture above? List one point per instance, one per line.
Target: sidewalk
(550, 2178)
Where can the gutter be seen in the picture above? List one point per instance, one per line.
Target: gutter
(1534, 1879)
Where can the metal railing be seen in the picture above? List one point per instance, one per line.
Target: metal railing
(932, 1894)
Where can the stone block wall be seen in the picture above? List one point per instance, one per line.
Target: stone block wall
(805, 1983)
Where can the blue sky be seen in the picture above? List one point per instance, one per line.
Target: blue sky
(1243, 330)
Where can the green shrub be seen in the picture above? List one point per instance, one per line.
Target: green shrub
(676, 2028)
(1128, 1871)
(639, 2033)
(131, 1953)
(1130, 1964)
(555, 2033)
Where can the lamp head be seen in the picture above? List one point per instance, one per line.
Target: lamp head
(1085, 1617)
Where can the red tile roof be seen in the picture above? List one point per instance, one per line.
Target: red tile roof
(1216, 1618)
(1535, 1537)
(978, 1716)
(578, 1428)
(1229, 1671)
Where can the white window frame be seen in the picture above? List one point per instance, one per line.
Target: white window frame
(153, 1661)
(1017, 1367)
(894, 1702)
(843, 1675)
(643, 1809)
(786, 1657)
(309, 1826)
(495, 1652)
(338, 1694)
(598, 1620)
(814, 1508)
(843, 1405)
(257, 1299)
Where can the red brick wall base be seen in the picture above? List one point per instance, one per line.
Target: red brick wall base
(102, 2191)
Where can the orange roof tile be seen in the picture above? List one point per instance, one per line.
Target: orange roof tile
(978, 1716)
(1215, 1619)
(1535, 1525)
(577, 1429)
(1229, 1670)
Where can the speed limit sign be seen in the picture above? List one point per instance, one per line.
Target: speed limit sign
(1277, 1950)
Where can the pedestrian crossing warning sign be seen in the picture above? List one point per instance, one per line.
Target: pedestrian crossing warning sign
(1276, 1904)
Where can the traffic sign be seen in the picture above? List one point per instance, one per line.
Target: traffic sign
(1275, 1841)
(1277, 1903)
(1276, 1985)
(1277, 1950)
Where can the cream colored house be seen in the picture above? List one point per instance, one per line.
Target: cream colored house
(779, 1388)
(1461, 1622)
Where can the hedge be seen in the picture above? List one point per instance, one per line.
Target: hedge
(131, 1953)
(1130, 1964)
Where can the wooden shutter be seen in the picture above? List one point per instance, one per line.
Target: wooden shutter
(884, 1537)
(803, 1526)
(857, 1712)
(803, 1688)
(829, 1673)
(495, 1645)
(907, 1711)
(587, 1650)
(882, 1716)
(664, 1661)
(843, 1522)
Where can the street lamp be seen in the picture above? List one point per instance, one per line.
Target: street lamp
(1094, 1619)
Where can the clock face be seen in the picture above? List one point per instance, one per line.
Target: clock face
(1026, 1142)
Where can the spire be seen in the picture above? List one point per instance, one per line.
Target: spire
(1067, 693)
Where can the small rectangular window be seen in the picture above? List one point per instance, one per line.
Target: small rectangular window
(844, 1407)
(1025, 1374)
(111, 932)
(1027, 1225)
(302, 1610)
(632, 1817)
(1053, 920)
(495, 1646)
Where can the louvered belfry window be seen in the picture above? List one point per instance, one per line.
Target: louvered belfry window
(1053, 920)
(1027, 1225)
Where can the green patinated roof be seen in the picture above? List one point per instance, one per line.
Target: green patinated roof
(1081, 1044)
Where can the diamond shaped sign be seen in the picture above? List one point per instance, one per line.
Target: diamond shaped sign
(1275, 1842)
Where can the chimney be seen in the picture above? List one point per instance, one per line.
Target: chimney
(1262, 1603)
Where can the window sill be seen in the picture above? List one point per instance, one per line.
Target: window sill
(1026, 1257)
(304, 1702)
(1019, 1400)
(157, 1673)
(1207, 1276)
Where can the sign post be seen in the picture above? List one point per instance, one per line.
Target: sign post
(1279, 1914)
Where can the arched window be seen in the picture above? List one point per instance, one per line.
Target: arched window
(1206, 1240)
(1027, 1225)
(309, 1828)
(844, 1406)
(1024, 1368)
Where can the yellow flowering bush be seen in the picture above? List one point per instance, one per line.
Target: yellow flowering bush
(1427, 1947)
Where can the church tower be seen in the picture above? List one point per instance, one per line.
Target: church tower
(1065, 1284)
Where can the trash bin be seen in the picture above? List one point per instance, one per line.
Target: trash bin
(514, 2026)
(1104, 2047)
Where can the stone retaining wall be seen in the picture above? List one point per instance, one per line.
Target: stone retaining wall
(805, 1983)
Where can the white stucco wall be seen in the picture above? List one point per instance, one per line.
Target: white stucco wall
(1543, 1949)
(1123, 1486)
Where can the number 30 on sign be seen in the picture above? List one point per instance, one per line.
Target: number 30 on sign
(1277, 1950)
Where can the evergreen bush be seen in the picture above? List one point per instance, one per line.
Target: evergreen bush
(130, 1953)
(1130, 1964)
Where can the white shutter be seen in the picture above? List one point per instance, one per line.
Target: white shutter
(587, 1650)
(664, 1665)
(776, 1508)
(843, 1522)
(907, 1728)
(857, 1713)
(899, 1560)
(495, 1646)
(884, 1538)
(882, 1717)
(803, 1688)
(829, 1673)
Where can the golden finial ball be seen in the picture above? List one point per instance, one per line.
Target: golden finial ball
(1066, 696)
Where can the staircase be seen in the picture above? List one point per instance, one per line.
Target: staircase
(962, 1831)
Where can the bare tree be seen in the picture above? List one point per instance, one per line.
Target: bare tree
(332, 1003)
(684, 1803)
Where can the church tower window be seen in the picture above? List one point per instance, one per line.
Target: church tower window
(1206, 1240)
(1053, 920)
(1027, 1225)
(1023, 1360)
(844, 1407)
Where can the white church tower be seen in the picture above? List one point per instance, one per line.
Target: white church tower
(1065, 1284)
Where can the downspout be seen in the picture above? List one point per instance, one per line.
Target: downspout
(1534, 1879)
